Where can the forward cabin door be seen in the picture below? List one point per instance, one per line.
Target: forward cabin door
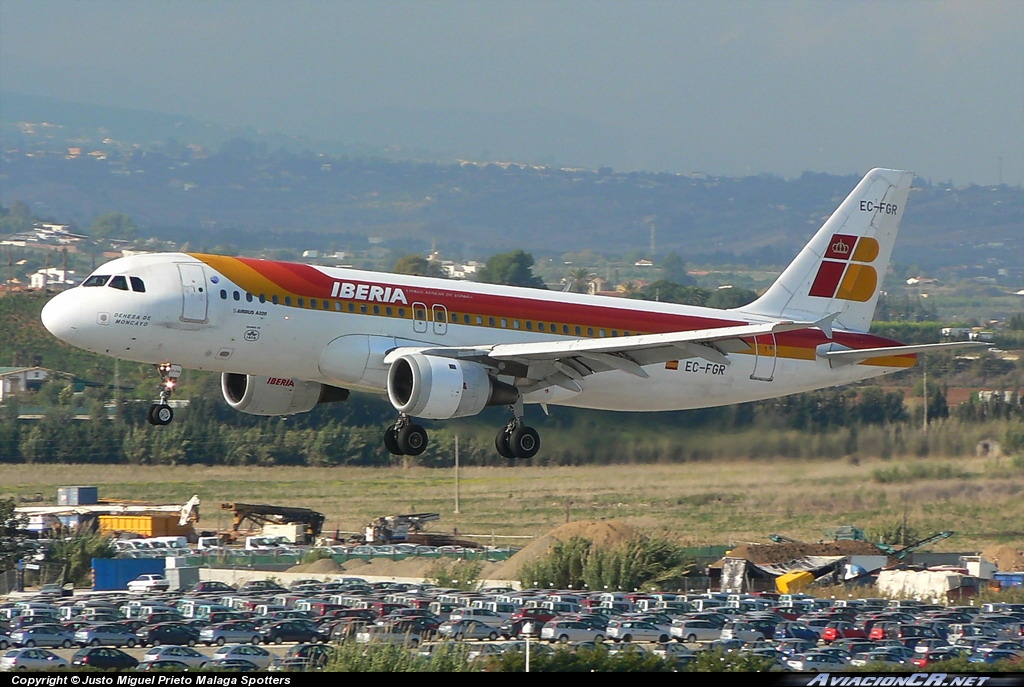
(193, 292)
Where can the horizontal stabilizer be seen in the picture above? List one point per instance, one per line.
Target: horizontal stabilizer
(849, 357)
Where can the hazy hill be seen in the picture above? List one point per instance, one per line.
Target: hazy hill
(184, 180)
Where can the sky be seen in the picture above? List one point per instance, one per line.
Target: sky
(719, 87)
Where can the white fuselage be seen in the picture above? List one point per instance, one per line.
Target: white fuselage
(334, 326)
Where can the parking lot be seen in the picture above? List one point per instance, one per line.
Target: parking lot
(267, 619)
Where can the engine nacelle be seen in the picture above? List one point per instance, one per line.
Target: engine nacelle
(438, 388)
(275, 395)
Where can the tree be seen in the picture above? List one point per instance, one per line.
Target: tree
(671, 292)
(416, 264)
(673, 269)
(731, 298)
(113, 225)
(514, 268)
(578, 279)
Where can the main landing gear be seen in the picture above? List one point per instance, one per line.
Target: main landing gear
(517, 440)
(405, 437)
(514, 440)
(161, 413)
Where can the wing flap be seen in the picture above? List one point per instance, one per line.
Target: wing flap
(856, 355)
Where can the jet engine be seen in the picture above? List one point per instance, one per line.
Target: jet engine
(275, 395)
(439, 388)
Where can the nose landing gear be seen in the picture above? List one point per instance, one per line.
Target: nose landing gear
(161, 413)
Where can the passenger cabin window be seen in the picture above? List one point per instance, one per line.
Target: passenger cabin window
(96, 280)
(119, 282)
(137, 284)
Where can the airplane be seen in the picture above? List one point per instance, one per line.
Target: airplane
(287, 336)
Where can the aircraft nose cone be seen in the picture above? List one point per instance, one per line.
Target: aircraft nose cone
(61, 316)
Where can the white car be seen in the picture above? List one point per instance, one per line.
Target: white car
(174, 652)
(256, 655)
(815, 661)
(149, 583)
(31, 659)
(565, 631)
(636, 631)
(692, 630)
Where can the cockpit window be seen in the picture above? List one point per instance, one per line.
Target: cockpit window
(137, 284)
(96, 280)
(119, 282)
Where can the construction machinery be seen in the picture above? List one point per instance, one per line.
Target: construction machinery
(259, 516)
(397, 528)
(903, 553)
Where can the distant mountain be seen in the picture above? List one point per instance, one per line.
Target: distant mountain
(185, 180)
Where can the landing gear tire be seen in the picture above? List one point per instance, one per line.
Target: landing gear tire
(412, 440)
(160, 414)
(391, 441)
(502, 446)
(524, 442)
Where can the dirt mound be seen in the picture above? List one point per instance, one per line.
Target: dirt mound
(324, 566)
(1008, 558)
(791, 551)
(602, 532)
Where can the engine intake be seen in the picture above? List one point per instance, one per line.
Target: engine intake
(275, 395)
(442, 388)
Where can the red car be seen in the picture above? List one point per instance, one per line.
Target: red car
(842, 629)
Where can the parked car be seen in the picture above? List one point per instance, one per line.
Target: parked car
(391, 633)
(303, 657)
(232, 632)
(290, 630)
(172, 652)
(692, 630)
(252, 653)
(565, 631)
(31, 659)
(45, 635)
(797, 629)
(149, 583)
(108, 634)
(928, 658)
(996, 656)
(163, 666)
(842, 629)
(104, 658)
(233, 665)
(261, 587)
(467, 629)
(636, 631)
(167, 633)
(212, 587)
(815, 661)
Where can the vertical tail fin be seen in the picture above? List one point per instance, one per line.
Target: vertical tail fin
(840, 270)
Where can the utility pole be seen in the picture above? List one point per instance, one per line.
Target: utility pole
(456, 474)
(924, 391)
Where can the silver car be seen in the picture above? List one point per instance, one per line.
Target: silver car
(106, 635)
(31, 659)
(232, 632)
(43, 635)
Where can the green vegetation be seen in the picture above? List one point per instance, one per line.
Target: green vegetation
(639, 562)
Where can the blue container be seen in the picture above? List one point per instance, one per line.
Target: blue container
(77, 496)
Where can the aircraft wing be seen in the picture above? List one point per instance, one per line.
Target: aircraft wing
(544, 363)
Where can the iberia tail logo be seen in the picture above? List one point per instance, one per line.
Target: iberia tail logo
(845, 271)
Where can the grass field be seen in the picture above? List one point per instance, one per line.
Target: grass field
(696, 504)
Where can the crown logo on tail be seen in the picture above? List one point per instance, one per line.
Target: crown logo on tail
(840, 247)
